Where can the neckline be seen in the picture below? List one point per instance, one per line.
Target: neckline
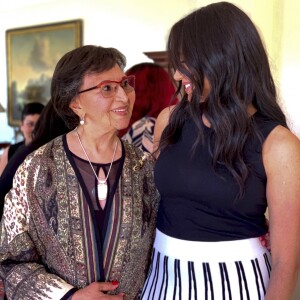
(94, 163)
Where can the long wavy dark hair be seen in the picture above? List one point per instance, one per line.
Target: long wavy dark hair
(220, 42)
(70, 71)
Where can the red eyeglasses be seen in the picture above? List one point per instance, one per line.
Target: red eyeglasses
(108, 88)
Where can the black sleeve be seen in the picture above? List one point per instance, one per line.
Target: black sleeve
(69, 294)
(7, 176)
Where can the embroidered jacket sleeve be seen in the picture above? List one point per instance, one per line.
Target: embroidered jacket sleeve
(21, 266)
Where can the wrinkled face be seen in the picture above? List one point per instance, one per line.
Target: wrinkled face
(27, 126)
(188, 87)
(101, 108)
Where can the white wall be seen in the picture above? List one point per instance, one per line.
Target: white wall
(291, 62)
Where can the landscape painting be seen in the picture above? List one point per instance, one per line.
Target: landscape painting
(32, 53)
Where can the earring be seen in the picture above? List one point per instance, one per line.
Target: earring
(81, 121)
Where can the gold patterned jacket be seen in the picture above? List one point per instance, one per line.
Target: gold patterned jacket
(48, 242)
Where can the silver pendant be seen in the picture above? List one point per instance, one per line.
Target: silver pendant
(102, 190)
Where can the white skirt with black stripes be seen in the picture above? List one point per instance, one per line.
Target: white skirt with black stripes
(235, 270)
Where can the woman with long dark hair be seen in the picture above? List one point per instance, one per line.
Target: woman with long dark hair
(225, 154)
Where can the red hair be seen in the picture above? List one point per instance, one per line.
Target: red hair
(154, 91)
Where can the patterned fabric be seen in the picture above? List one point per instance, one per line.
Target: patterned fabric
(141, 134)
(207, 270)
(48, 238)
(172, 278)
(2, 293)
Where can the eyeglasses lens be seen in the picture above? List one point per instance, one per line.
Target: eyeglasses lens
(109, 89)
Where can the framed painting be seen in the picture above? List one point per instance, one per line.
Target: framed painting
(32, 53)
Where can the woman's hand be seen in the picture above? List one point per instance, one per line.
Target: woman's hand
(96, 291)
(265, 239)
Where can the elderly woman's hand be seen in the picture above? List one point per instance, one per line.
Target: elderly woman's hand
(96, 291)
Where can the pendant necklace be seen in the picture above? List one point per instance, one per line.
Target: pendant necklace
(102, 183)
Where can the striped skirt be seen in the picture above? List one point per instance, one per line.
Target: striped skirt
(207, 270)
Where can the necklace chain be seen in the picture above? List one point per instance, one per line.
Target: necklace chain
(99, 181)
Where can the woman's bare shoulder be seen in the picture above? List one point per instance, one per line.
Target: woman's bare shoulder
(282, 147)
(281, 138)
(160, 124)
(164, 115)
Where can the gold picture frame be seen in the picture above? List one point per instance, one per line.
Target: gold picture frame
(32, 53)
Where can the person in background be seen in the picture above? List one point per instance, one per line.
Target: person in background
(224, 154)
(79, 221)
(29, 116)
(48, 126)
(154, 91)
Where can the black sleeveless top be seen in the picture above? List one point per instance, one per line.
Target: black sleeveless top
(199, 203)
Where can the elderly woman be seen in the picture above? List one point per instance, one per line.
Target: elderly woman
(79, 221)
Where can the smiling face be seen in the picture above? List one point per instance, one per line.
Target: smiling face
(188, 86)
(105, 113)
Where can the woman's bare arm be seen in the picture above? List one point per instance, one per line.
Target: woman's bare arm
(281, 157)
(160, 124)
